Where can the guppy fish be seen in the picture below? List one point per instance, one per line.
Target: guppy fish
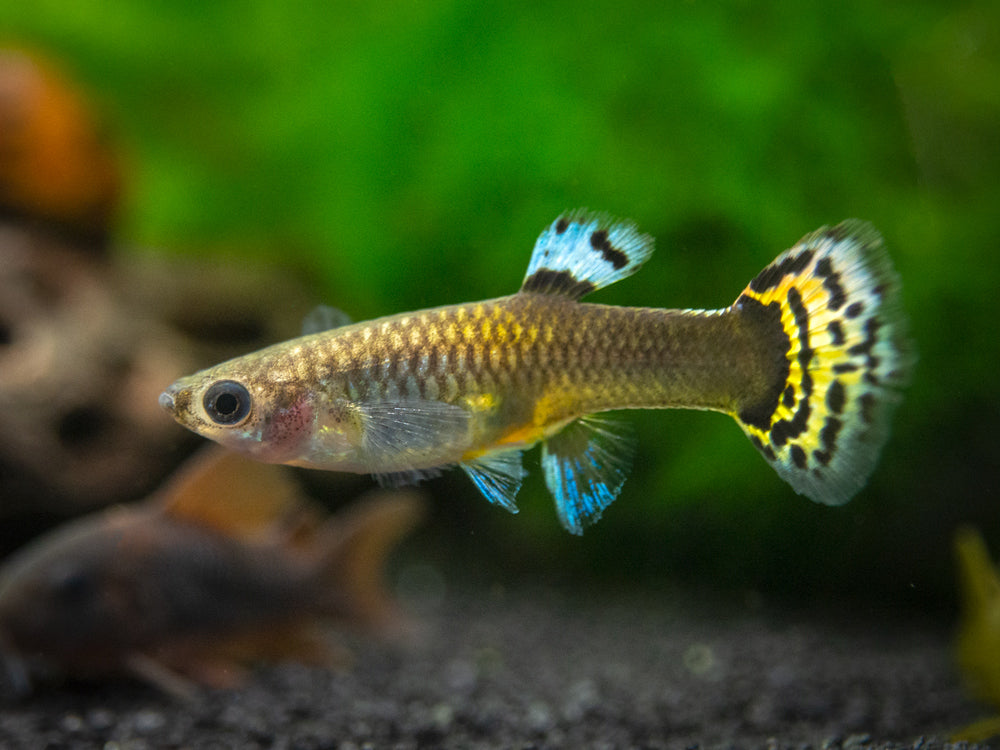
(808, 361)
(226, 564)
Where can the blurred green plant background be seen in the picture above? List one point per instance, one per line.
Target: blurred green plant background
(407, 154)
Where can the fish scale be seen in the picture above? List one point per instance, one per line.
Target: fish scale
(809, 361)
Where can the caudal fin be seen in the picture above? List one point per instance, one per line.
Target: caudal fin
(848, 356)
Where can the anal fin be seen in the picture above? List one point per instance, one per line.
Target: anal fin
(585, 466)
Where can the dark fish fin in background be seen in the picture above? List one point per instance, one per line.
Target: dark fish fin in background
(324, 318)
(353, 551)
(179, 666)
(160, 676)
(17, 682)
(975, 642)
(976, 653)
(582, 251)
(304, 641)
(980, 583)
(585, 466)
(232, 494)
(980, 732)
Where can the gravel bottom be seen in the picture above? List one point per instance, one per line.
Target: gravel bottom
(547, 668)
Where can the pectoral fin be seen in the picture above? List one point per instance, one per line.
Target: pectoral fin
(406, 434)
(585, 465)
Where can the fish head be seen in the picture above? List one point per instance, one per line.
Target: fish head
(261, 405)
(61, 600)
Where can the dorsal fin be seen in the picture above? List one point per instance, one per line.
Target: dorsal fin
(583, 251)
(231, 493)
(324, 318)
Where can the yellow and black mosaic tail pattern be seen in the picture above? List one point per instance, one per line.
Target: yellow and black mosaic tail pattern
(848, 355)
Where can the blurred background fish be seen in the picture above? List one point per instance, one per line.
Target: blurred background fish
(977, 645)
(227, 564)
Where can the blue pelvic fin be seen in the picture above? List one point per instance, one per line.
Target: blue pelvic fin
(498, 476)
(585, 466)
(324, 318)
(582, 251)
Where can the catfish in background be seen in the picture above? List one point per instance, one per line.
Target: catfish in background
(808, 360)
(225, 565)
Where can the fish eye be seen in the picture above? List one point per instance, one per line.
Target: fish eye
(73, 585)
(227, 402)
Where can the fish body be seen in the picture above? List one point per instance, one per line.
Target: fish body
(226, 564)
(807, 360)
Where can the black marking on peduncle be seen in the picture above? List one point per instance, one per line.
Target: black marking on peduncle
(599, 241)
(773, 338)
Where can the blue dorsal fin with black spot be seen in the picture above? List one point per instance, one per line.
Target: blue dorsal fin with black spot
(324, 318)
(582, 251)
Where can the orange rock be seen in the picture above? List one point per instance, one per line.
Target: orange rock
(55, 163)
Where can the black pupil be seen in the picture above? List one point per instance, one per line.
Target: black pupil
(227, 402)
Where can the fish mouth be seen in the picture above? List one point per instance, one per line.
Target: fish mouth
(176, 401)
(166, 400)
